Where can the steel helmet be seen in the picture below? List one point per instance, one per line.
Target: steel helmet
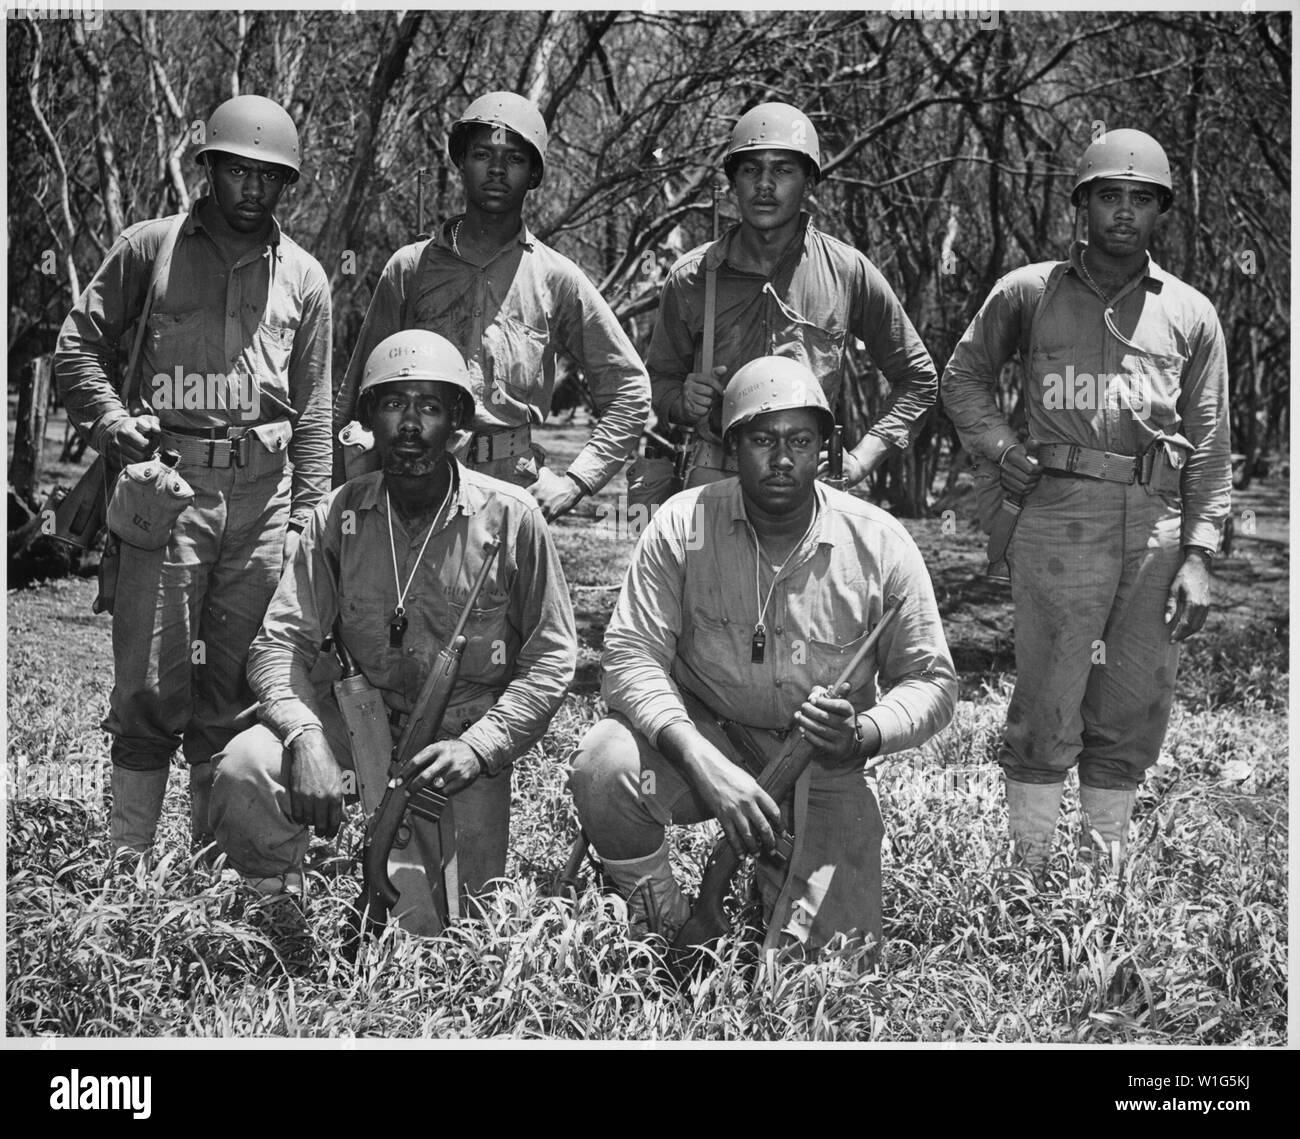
(774, 126)
(1130, 154)
(502, 109)
(253, 127)
(416, 354)
(773, 383)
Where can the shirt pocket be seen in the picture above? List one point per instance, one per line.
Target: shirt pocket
(176, 339)
(818, 341)
(274, 347)
(514, 361)
(364, 619)
(491, 645)
(722, 643)
(1156, 385)
(829, 658)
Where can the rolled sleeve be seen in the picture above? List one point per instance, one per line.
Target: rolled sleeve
(310, 391)
(641, 640)
(1203, 408)
(617, 380)
(992, 338)
(672, 351)
(547, 658)
(301, 615)
(913, 663)
(895, 347)
(90, 340)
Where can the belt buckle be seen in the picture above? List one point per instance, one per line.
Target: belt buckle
(1072, 459)
(482, 448)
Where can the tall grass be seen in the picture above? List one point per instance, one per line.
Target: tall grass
(1191, 949)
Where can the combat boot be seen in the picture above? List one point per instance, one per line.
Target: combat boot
(654, 900)
(1105, 815)
(1032, 810)
(136, 809)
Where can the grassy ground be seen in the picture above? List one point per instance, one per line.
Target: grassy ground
(1192, 951)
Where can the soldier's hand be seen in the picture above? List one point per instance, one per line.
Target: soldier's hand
(700, 392)
(1020, 470)
(827, 723)
(132, 440)
(747, 813)
(447, 766)
(1189, 597)
(555, 494)
(854, 470)
(315, 784)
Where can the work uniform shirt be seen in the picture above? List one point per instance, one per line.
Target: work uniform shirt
(509, 318)
(822, 296)
(522, 647)
(1110, 377)
(686, 617)
(226, 345)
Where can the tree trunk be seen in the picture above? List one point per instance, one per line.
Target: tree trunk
(29, 429)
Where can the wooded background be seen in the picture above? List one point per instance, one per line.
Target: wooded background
(948, 152)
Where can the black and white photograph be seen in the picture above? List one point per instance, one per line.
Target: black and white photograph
(663, 527)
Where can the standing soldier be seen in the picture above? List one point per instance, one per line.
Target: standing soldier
(743, 599)
(237, 346)
(432, 517)
(1126, 395)
(781, 287)
(509, 303)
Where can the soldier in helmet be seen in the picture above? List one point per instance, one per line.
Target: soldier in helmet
(781, 287)
(509, 303)
(233, 374)
(743, 599)
(390, 557)
(1125, 480)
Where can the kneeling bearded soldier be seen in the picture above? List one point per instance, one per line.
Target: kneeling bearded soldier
(390, 557)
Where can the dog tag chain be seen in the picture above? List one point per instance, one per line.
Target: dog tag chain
(398, 623)
(758, 643)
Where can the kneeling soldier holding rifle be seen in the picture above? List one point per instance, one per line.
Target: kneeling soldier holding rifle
(744, 599)
(394, 560)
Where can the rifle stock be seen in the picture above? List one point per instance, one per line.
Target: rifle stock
(708, 921)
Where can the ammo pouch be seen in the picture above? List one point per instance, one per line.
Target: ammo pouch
(1163, 463)
(147, 500)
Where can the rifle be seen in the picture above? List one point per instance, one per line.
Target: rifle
(835, 459)
(569, 884)
(708, 921)
(681, 467)
(378, 893)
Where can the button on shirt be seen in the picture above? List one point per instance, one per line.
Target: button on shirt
(822, 295)
(1110, 377)
(685, 620)
(226, 345)
(522, 646)
(509, 318)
